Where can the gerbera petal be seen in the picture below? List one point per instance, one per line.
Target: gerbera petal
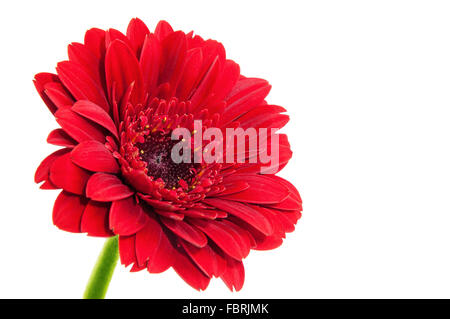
(191, 74)
(206, 258)
(96, 114)
(81, 84)
(265, 116)
(163, 29)
(67, 211)
(147, 240)
(160, 205)
(58, 94)
(263, 190)
(228, 78)
(43, 170)
(94, 156)
(48, 185)
(292, 189)
(104, 187)
(81, 55)
(189, 233)
(61, 138)
(154, 247)
(171, 215)
(127, 250)
(68, 176)
(263, 242)
(204, 213)
(221, 235)
(95, 218)
(122, 68)
(136, 33)
(190, 273)
(234, 275)
(172, 58)
(207, 83)
(113, 34)
(126, 217)
(78, 127)
(290, 203)
(246, 94)
(234, 187)
(94, 40)
(150, 62)
(40, 80)
(244, 212)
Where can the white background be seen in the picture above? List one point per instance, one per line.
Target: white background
(367, 86)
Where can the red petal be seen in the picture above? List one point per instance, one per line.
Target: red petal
(136, 33)
(127, 217)
(58, 94)
(78, 127)
(127, 251)
(147, 240)
(204, 213)
(40, 80)
(190, 77)
(84, 57)
(241, 233)
(113, 34)
(163, 29)
(81, 84)
(189, 272)
(220, 233)
(244, 212)
(265, 116)
(289, 186)
(68, 176)
(171, 215)
(234, 276)
(107, 188)
(95, 219)
(43, 170)
(94, 40)
(47, 185)
(94, 156)
(234, 187)
(228, 78)
(61, 138)
(173, 54)
(67, 212)
(160, 205)
(96, 114)
(153, 246)
(263, 189)
(209, 261)
(246, 94)
(186, 231)
(150, 62)
(290, 203)
(205, 86)
(122, 68)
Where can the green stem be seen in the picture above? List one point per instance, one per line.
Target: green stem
(103, 270)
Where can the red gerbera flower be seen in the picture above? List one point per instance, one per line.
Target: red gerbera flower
(117, 101)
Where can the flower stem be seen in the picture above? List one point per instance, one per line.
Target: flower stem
(103, 270)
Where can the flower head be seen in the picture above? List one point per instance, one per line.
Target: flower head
(119, 100)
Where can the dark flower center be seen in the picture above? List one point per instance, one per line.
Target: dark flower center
(156, 152)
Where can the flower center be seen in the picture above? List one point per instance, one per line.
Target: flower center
(156, 152)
